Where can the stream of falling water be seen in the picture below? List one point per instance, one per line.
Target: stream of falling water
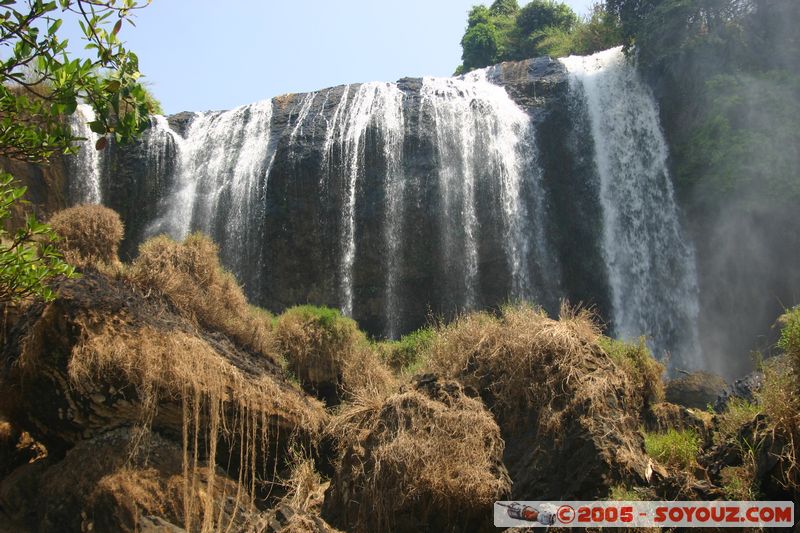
(651, 268)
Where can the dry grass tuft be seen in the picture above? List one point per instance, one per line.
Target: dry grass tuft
(328, 354)
(643, 371)
(140, 489)
(779, 398)
(550, 382)
(8, 436)
(738, 412)
(191, 278)
(306, 488)
(429, 452)
(90, 235)
(524, 360)
(790, 338)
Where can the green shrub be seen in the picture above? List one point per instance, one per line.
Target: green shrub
(673, 448)
(738, 413)
(790, 337)
(640, 366)
(405, 355)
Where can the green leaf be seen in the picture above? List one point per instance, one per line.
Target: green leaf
(98, 127)
(54, 26)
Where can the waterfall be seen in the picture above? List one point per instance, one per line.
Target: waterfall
(395, 201)
(305, 108)
(222, 166)
(86, 164)
(481, 134)
(378, 105)
(393, 131)
(650, 266)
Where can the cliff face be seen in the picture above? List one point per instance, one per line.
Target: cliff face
(538, 180)
(47, 187)
(297, 237)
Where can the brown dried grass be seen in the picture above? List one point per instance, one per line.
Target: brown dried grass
(140, 489)
(329, 355)
(217, 398)
(411, 453)
(90, 235)
(305, 486)
(190, 277)
(779, 398)
(524, 360)
(8, 435)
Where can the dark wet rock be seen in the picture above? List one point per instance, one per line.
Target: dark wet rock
(697, 390)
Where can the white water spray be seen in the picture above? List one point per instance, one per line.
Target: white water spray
(651, 268)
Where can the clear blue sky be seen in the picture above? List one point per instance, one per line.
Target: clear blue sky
(208, 54)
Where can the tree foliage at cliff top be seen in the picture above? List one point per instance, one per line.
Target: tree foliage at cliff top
(727, 73)
(506, 32)
(40, 86)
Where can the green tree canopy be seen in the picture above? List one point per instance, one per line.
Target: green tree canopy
(41, 85)
(541, 14)
(504, 7)
(506, 32)
(481, 46)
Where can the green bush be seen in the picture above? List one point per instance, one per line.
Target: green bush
(674, 448)
(505, 32)
(639, 365)
(405, 355)
(738, 413)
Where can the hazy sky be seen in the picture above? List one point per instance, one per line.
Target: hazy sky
(208, 54)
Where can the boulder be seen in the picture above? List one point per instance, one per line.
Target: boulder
(697, 389)
(101, 486)
(103, 356)
(662, 417)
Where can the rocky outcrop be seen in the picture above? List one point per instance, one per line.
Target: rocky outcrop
(697, 390)
(129, 398)
(43, 394)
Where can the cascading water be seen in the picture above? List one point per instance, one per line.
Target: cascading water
(481, 134)
(223, 163)
(85, 186)
(435, 195)
(650, 266)
(378, 105)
